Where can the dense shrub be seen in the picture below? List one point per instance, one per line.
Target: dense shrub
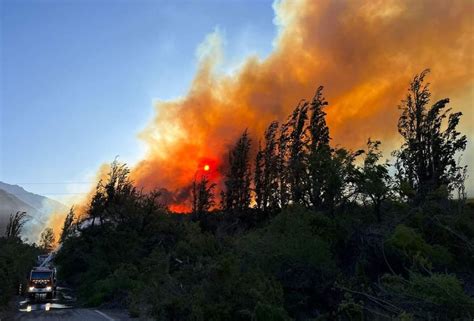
(414, 250)
(439, 296)
(298, 264)
(290, 250)
(16, 260)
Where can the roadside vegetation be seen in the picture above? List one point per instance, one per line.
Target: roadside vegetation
(303, 231)
(16, 259)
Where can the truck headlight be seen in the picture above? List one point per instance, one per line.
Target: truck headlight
(31, 288)
(48, 288)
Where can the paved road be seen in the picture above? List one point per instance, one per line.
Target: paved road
(63, 308)
(70, 315)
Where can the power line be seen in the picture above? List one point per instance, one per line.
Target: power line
(52, 183)
(48, 193)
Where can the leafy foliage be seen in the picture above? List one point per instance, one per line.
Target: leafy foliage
(237, 195)
(412, 247)
(436, 295)
(15, 225)
(426, 160)
(373, 180)
(68, 226)
(266, 171)
(330, 236)
(47, 240)
(203, 196)
(16, 259)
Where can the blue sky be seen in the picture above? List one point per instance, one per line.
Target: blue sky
(78, 78)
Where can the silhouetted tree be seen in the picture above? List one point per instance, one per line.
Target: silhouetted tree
(15, 225)
(270, 171)
(119, 192)
(203, 196)
(339, 178)
(258, 177)
(97, 204)
(283, 171)
(47, 240)
(297, 159)
(68, 226)
(319, 151)
(111, 198)
(146, 206)
(373, 179)
(426, 161)
(237, 194)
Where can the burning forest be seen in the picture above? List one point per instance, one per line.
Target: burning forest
(359, 59)
(324, 180)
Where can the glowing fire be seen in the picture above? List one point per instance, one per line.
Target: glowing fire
(179, 208)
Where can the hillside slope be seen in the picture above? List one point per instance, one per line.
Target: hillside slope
(11, 204)
(14, 198)
(39, 202)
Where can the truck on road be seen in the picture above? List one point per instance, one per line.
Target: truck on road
(42, 283)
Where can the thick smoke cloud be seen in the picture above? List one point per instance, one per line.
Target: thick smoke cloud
(363, 52)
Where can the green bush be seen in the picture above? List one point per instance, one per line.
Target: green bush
(435, 294)
(265, 312)
(16, 260)
(415, 250)
(116, 286)
(289, 239)
(290, 250)
(349, 309)
(283, 266)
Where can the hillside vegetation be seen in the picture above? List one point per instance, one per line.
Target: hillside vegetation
(16, 259)
(305, 231)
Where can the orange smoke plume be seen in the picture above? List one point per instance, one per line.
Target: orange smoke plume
(363, 52)
(80, 204)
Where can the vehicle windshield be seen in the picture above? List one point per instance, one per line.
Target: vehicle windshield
(40, 275)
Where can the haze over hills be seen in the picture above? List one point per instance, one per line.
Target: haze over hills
(14, 198)
(11, 204)
(37, 201)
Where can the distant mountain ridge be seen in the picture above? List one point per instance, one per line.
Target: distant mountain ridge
(11, 204)
(39, 202)
(14, 198)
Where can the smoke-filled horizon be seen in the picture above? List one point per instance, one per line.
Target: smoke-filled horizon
(363, 53)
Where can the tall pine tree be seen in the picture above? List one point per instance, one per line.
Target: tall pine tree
(297, 148)
(258, 178)
(202, 196)
(319, 150)
(426, 162)
(270, 172)
(238, 177)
